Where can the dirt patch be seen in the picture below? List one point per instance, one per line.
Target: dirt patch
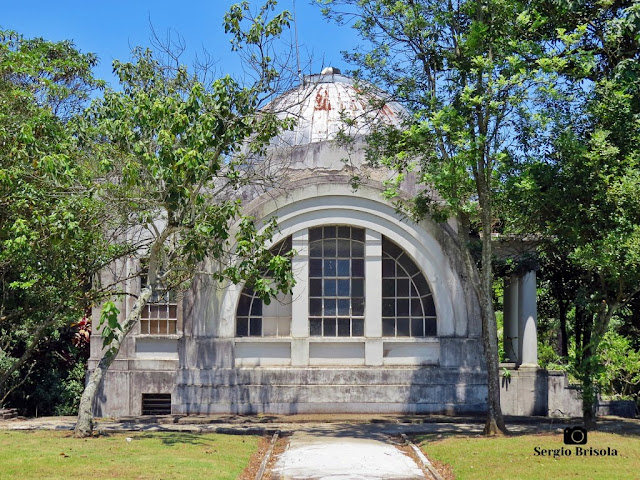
(278, 449)
(249, 473)
(444, 469)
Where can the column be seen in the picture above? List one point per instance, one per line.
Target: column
(299, 300)
(510, 318)
(373, 298)
(528, 318)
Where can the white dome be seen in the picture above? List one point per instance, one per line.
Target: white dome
(328, 103)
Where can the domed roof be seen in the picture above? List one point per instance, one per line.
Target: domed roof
(329, 102)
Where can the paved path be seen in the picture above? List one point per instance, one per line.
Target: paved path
(314, 456)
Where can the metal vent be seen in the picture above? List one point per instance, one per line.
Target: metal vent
(156, 404)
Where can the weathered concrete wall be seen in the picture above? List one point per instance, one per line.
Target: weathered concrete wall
(315, 389)
(536, 391)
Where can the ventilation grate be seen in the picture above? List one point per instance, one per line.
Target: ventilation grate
(156, 404)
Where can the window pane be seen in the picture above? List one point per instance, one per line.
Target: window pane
(357, 327)
(343, 307)
(357, 267)
(315, 287)
(329, 306)
(388, 307)
(315, 327)
(421, 285)
(256, 307)
(343, 268)
(416, 307)
(344, 232)
(344, 327)
(388, 268)
(417, 327)
(402, 306)
(144, 327)
(343, 288)
(315, 268)
(357, 249)
(390, 248)
(330, 288)
(284, 326)
(357, 234)
(270, 327)
(145, 312)
(329, 248)
(315, 249)
(329, 268)
(408, 264)
(242, 327)
(357, 287)
(388, 327)
(173, 326)
(315, 307)
(329, 327)
(344, 248)
(431, 327)
(429, 307)
(315, 233)
(403, 287)
(330, 232)
(400, 272)
(255, 327)
(388, 287)
(357, 307)
(173, 311)
(403, 327)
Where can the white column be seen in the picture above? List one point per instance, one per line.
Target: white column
(528, 314)
(373, 298)
(300, 300)
(510, 318)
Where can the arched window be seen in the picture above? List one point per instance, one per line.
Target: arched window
(336, 291)
(407, 304)
(255, 319)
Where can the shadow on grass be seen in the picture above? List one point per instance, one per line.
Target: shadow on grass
(203, 439)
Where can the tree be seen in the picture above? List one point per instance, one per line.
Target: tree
(51, 241)
(468, 73)
(582, 190)
(173, 155)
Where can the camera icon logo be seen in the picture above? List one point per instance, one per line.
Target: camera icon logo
(575, 436)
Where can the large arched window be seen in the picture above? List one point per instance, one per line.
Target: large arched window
(336, 291)
(407, 304)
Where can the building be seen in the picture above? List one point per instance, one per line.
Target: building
(381, 318)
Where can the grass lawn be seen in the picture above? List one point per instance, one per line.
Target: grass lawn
(158, 455)
(513, 457)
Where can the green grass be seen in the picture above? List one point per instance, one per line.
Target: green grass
(513, 457)
(165, 455)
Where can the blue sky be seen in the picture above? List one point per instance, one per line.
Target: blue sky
(111, 28)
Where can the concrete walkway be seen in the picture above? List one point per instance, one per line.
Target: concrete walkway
(312, 456)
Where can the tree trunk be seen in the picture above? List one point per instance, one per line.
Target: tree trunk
(84, 425)
(495, 421)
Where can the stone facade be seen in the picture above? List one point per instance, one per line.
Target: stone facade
(382, 356)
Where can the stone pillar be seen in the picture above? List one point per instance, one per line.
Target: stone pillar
(510, 319)
(373, 302)
(528, 317)
(299, 300)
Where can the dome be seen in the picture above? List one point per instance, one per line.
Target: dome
(328, 103)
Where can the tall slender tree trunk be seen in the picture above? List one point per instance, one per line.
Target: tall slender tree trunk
(479, 280)
(84, 425)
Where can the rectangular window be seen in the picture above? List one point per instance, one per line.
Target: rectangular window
(336, 281)
(160, 315)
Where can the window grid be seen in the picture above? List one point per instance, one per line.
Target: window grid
(253, 318)
(407, 304)
(160, 315)
(336, 281)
